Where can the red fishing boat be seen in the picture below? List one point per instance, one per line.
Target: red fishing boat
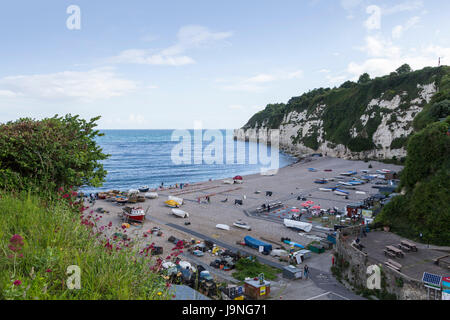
(135, 214)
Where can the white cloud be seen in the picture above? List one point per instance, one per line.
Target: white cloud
(398, 31)
(87, 86)
(404, 6)
(256, 83)
(7, 94)
(188, 37)
(376, 46)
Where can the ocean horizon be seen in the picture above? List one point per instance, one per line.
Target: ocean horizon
(150, 157)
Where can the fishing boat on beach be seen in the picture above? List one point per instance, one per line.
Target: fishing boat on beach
(180, 213)
(242, 225)
(321, 181)
(121, 199)
(151, 195)
(135, 214)
(223, 227)
(143, 188)
(303, 226)
(341, 192)
(172, 204)
(326, 189)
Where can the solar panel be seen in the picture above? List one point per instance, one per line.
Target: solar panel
(431, 279)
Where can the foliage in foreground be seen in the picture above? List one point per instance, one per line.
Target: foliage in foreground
(43, 155)
(425, 207)
(251, 268)
(40, 239)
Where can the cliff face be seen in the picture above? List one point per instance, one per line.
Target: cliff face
(355, 121)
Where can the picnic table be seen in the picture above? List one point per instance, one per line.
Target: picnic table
(408, 244)
(397, 252)
(394, 265)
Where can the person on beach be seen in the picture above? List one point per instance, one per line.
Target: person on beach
(306, 271)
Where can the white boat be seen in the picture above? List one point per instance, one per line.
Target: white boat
(360, 192)
(143, 188)
(132, 192)
(241, 224)
(341, 192)
(151, 195)
(228, 181)
(304, 226)
(223, 227)
(176, 199)
(326, 189)
(180, 213)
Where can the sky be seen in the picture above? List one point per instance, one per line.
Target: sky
(143, 64)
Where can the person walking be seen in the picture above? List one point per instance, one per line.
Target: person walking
(306, 271)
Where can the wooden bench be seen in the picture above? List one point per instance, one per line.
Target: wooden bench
(389, 253)
(394, 265)
(399, 253)
(404, 248)
(410, 245)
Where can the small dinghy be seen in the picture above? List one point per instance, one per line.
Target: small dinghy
(228, 181)
(151, 195)
(180, 213)
(326, 189)
(242, 225)
(223, 227)
(340, 192)
(143, 188)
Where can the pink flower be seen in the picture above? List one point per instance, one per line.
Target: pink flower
(48, 270)
(17, 283)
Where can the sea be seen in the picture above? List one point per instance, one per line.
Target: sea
(169, 157)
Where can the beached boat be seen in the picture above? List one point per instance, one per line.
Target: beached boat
(341, 192)
(151, 195)
(304, 226)
(176, 199)
(133, 192)
(136, 214)
(143, 188)
(180, 213)
(256, 244)
(348, 173)
(242, 225)
(121, 199)
(172, 204)
(223, 227)
(228, 181)
(321, 181)
(312, 170)
(326, 189)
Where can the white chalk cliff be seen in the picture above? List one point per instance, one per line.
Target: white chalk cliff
(396, 122)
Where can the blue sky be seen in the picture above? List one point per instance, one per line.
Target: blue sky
(167, 64)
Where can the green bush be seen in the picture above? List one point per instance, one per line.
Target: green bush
(50, 153)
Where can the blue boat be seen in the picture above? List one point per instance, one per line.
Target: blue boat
(295, 244)
(321, 181)
(341, 192)
(255, 243)
(312, 170)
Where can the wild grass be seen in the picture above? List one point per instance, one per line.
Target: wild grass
(40, 239)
